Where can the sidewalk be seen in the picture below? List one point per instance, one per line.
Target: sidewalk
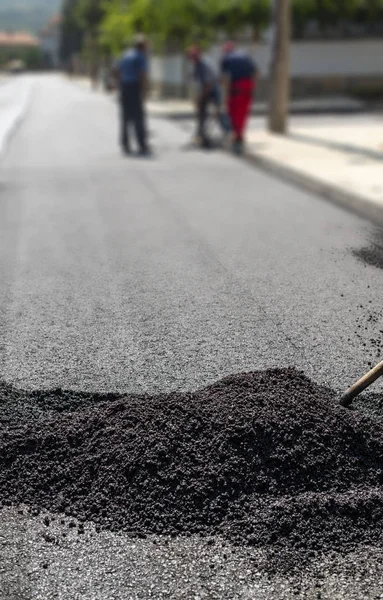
(342, 161)
(184, 109)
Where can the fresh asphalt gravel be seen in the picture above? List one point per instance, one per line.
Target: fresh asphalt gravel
(167, 274)
(265, 459)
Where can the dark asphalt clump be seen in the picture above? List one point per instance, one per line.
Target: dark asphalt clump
(264, 458)
(372, 254)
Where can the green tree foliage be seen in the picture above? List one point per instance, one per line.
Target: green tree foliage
(88, 14)
(324, 11)
(175, 23)
(334, 12)
(178, 22)
(370, 11)
(72, 32)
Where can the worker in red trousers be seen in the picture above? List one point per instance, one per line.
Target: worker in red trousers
(239, 77)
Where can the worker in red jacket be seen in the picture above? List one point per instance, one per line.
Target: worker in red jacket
(239, 76)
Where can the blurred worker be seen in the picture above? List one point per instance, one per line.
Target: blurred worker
(208, 92)
(239, 75)
(132, 74)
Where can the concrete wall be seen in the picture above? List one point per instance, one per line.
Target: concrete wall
(168, 75)
(316, 67)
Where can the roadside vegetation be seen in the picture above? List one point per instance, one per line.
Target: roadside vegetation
(105, 26)
(30, 58)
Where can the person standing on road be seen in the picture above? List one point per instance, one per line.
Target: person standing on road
(132, 75)
(239, 78)
(208, 92)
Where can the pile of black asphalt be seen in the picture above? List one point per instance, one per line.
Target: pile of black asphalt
(266, 459)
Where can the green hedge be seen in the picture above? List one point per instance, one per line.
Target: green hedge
(32, 57)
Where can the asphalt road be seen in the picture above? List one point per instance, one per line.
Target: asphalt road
(164, 274)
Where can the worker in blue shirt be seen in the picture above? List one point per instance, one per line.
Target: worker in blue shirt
(208, 93)
(132, 75)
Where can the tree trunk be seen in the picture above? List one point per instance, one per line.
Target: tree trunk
(280, 75)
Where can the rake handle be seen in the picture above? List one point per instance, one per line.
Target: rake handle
(362, 384)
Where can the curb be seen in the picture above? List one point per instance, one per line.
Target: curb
(259, 112)
(355, 203)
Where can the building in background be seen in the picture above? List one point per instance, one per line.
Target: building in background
(50, 43)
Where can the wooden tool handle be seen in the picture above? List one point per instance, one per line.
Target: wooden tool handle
(362, 384)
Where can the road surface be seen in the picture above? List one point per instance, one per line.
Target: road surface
(165, 274)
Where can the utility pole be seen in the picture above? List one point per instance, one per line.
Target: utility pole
(280, 72)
